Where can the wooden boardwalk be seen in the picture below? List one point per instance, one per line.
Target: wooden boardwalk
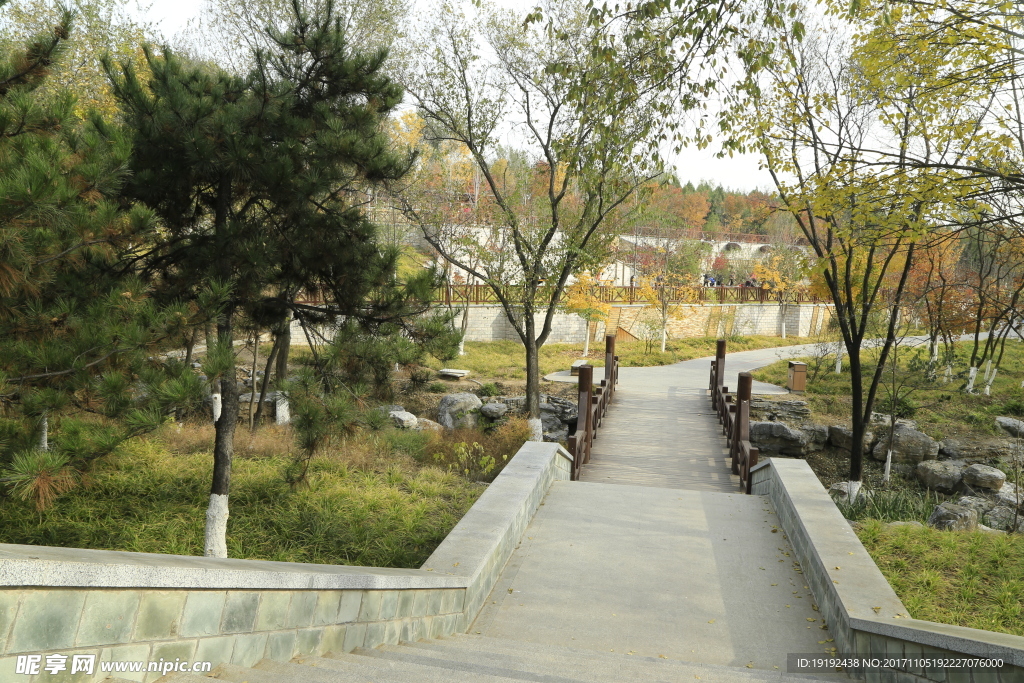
(661, 430)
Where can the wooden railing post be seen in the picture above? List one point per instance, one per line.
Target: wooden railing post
(741, 429)
(585, 412)
(720, 362)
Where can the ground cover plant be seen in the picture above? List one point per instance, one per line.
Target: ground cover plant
(966, 579)
(504, 360)
(385, 498)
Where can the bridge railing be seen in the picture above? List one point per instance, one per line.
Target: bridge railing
(734, 416)
(463, 295)
(592, 406)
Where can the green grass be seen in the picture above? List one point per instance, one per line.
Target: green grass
(966, 579)
(500, 360)
(389, 513)
(941, 409)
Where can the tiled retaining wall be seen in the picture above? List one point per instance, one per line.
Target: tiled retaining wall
(144, 607)
(862, 611)
(489, 323)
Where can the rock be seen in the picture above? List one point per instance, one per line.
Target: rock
(403, 419)
(762, 409)
(899, 524)
(841, 492)
(1009, 496)
(516, 404)
(882, 421)
(908, 445)
(951, 517)
(1004, 518)
(815, 437)
(551, 423)
(387, 410)
(565, 411)
(989, 530)
(776, 438)
(984, 477)
(494, 410)
(976, 449)
(423, 424)
(939, 475)
(841, 437)
(559, 436)
(458, 410)
(1010, 426)
(982, 505)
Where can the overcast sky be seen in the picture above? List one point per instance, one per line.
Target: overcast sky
(738, 173)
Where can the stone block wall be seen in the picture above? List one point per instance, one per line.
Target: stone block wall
(863, 613)
(123, 607)
(720, 320)
(489, 323)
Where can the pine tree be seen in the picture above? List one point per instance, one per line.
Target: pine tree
(258, 181)
(74, 334)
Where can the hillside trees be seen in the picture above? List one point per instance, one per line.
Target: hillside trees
(258, 180)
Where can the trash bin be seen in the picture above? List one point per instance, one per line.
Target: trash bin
(797, 377)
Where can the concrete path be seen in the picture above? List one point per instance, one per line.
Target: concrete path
(686, 575)
(662, 431)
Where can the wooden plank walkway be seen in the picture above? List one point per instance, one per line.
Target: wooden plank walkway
(661, 430)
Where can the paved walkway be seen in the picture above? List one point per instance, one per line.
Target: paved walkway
(655, 552)
(662, 431)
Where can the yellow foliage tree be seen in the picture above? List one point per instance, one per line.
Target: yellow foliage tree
(582, 298)
(667, 298)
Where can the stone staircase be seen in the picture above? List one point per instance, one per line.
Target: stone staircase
(485, 660)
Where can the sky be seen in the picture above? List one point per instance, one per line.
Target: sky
(739, 173)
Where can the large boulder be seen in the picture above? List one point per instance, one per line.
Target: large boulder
(776, 438)
(403, 419)
(566, 411)
(1010, 425)
(841, 437)
(1004, 518)
(423, 424)
(1010, 496)
(939, 475)
(984, 477)
(458, 410)
(840, 492)
(982, 505)
(815, 437)
(763, 409)
(908, 445)
(976, 449)
(494, 410)
(952, 517)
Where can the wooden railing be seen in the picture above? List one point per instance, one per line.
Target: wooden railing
(593, 404)
(463, 295)
(734, 416)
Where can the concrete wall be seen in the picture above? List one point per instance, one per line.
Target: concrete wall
(863, 613)
(488, 323)
(143, 607)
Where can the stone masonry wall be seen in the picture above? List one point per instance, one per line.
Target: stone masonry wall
(127, 607)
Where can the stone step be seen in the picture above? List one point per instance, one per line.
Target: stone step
(561, 665)
(355, 667)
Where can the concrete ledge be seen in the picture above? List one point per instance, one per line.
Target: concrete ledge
(863, 612)
(123, 606)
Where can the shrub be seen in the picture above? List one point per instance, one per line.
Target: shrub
(438, 388)
(904, 408)
(476, 454)
(489, 389)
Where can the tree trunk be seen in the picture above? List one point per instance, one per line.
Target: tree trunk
(278, 340)
(533, 380)
(215, 544)
(859, 426)
(285, 336)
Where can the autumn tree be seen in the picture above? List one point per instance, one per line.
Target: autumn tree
(551, 202)
(583, 299)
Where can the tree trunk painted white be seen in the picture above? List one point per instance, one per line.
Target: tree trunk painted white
(216, 542)
(783, 316)
(988, 384)
(282, 413)
(970, 381)
(948, 377)
(853, 491)
(536, 429)
(839, 361)
(988, 368)
(664, 336)
(462, 347)
(888, 466)
(215, 401)
(44, 433)
(586, 342)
